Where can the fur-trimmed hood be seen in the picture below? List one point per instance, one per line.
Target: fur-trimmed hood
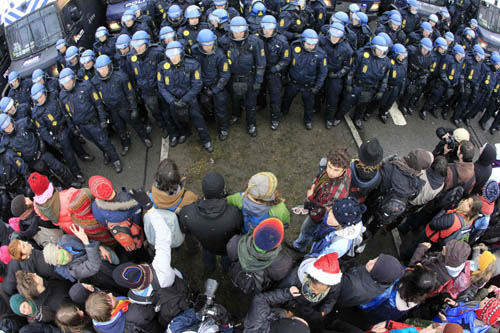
(116, 205)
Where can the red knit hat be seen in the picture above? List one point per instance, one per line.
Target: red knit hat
(490, 313)
(101, 188)
(38, 183)
(326, 269)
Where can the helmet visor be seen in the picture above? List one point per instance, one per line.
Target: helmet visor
(335, 32)
(37, 95)
(137, 43)
(170, 53)
(100, 33)
(238, 28)
(84, 60)
(126, 18)
(268, 26)
(66, 79)
(311, 41)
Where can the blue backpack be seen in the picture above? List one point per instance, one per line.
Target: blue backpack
(251, 221)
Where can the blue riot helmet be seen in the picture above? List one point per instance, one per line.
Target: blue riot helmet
(354, 8)
(400, 52)
(469, 33)
(238, 25)
(355, 19)
(139, 39)
(218, 16)
(363, 18)
(495, 60)
(426, 28)
(459, 52)
(136, 9)
(60, 44)
(72, 55)
(6, 103)
(100, 33)
(14, 79)
(174, 14)
(258, 9)
(206, 38)
(473, 24)
(441, 43)
(450, 37)
(87, 57)
(387, 38)
(396, 20)
(5, 121)
(104, 67)
(426, 45)
(341, 17)
(37, 91)
(335, 31)
(167, 35)
(220, 4)
(478, 52)
(268, 26)
(123, 42)
(128, 18)
(192, 12)
(66, 76)
(445, 14)
(434, 19)
(379, 43)
(174, 49)
(309, 37)
(38, 75)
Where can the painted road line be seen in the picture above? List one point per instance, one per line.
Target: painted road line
(353, 129)
(397, 116)
(397, 240)
(165, 146)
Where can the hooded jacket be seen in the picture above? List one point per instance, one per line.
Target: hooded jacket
(121, 208)
(213, 222)
(434, 184)
(403, 184)
(86, 260)
(483, 168)
(340, 241)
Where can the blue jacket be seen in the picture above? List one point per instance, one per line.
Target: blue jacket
(50, 118)
(22, 93)
(117, 92)
(339, 56)
(277, 52)
(144, 68)
(23, 141)
(182, 81)
(215, 69)
(419, 65)
(83, 103)
(369, 70)
(108, 47)
(308, 68)
(245, 57)
(451, 71)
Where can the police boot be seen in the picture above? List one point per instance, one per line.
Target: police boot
(467, 121)
(328, 124)
(208, 147)
(125, 150)
(223, 134)
(106, 158)
(80, 178)
(434, 112)
(366, 116)
(493, 130)
(147, 142)
(87, 158)
(274, 125)
(482, 125)
(183, 138)
(423, 114)
(252, 130)
(233, 120)
(118, 166)
(383, 117)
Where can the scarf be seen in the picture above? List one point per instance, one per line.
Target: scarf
(250, 259)
(309, 294)
(121, 306)
(402, 165)
(50, 209)
(27, 212)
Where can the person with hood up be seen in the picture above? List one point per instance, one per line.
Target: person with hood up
(39, 318)
(365, 171)
(318, 280)
(447, 264)
(483, 166)
(212, 221)
(259, 254)
(488, 199)
(260, 201)
(341, 230)
(362, 283)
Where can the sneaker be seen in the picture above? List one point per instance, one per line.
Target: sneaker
(336, 122)
(223, 135)
(174, 141)
(309, 126)
(328, 124)
(274, 125)
(233, 120)
(208, 147)
(252, 130)
(182, 139)
(358, 123)
(124, 150)
(118, 166)
(80, 178)
(148, 143)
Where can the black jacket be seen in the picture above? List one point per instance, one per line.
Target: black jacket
(358, 287)
(262, 314)
(56, 293)
(395, 180)
(482, 167)
(213, 222)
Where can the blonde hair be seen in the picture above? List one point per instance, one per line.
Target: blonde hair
(98, 306)
(15, 249)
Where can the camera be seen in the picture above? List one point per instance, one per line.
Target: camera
(451, 142)
(209, 309)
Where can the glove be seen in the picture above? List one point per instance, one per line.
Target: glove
(256, 86)
(314, 90)
(348, 89)
(142, 198)
(209, 92)
(104, 124)
(378, 96)
(180, 103)
(297, 36)
(332, 75)
(76, 131)
(134, 115)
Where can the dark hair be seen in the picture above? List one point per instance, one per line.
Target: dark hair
(475, 207)
(440, 165)
(68, 319)
(467, 150)
(339, 157)
(167, 177)
(416, 283)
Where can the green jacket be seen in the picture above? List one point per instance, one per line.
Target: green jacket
(279, 211)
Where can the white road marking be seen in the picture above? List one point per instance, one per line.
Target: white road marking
(353, 129)
(397, 116)
(165, 146)
(397, 239)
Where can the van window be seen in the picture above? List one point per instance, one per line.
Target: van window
(488, 17)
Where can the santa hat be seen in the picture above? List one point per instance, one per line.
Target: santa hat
(326, 269)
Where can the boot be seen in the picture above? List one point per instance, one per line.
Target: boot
(125, 150)
(118, 166)
(274, 125)
(223, 134)
(147, 142)
(208, 147)
(252, 130)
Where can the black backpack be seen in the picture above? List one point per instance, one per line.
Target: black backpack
(450, 198)
(249, 283)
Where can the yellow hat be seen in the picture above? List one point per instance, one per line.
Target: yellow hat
(485, 260)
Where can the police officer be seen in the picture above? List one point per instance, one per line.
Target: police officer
(14, 110)
(492, 102)
(293, 19)
(247, 59)
(434, 22)
(123, 50)
(467, 39)
(61, 47)
(53, 125)
(393, 29)
(473, 74)
(367, 80)
(419, 69)
(411, 17)
(222, 5)
(144, 18)
(180, 82)
(174, 17)
(339, 53)
(219, 22)
(450, 39)
(130, 25)
(307, 73)
(39, 76)
(318, 7)
(277, 60)
(257, 11)
(118, 95)
(14, 175)
(438, 55)
(144, 64)
(20, 136)
(87, 61)
(349, 35)
(167, 35)
(359, 25)
(104, 44)
(450, 77)
(189, 32)
(215, 73)
(444, 21)
(472, 25)
(72, 58)
(395, 84)
(415, 37)
(156, 9)
(19, 88)
(83, 104)
(183, 4)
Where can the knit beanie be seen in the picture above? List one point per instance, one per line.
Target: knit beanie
(419, 159)
(18, 205)
(15, 304)
(288, 325)
(348, 211)
(101, 188)
(491, 191)
(38, 183)
(268, 234)
(213, 185)
(387, 269)
(133, 276)
(80, 203)
(79, 294)
(490, 313)
(326, 269)
(457, 253)
(262, 186)
(453, 328)
(53, 254)
(485, 259)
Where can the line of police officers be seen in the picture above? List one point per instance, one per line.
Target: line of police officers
(181, 63)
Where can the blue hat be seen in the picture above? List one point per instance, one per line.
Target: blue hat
(426, 43)
(433, 18)
(140, 38)
(206, 37)
(13, 76)
(128, 15)
(6, 103)
(426, 26)
(174, 12)
(469, 32)
(268, 22)
(37, 75)
(396, 19)
(5, 121)
(238, 24)
(459, 49)
(123, 41)
(495, 59)
(219, 15)
(491, 191)
(258, 8)
(37, 90)
(399, 49)
(192, 11)
(479, 51)
(71, 52)
(87, 56)
(268, 234)
(449, 36)
(220, 2)
(354, 8)
(336, 30)
(474, 23)
(348, 211)
(60, 43)
(413, 3)
(310, 36)
(441, 42)
(102, 61)
(387, 38)
(340, 17)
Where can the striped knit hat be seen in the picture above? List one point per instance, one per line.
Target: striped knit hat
(490, 313)
(262, 186)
